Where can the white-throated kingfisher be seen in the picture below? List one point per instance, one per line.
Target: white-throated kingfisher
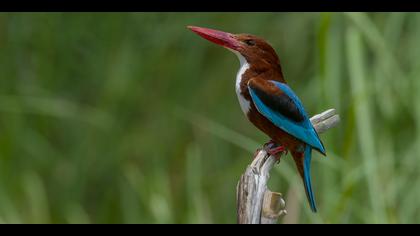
(268, 102)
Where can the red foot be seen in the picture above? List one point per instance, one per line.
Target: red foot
(278, 152)
(275, 150)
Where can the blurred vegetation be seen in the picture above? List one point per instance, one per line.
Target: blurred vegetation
(132, 118)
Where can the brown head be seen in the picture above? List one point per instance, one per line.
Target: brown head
(254, 50)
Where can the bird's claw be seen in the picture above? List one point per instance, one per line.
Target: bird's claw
(277, 152)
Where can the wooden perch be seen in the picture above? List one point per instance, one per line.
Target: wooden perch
(256, 204)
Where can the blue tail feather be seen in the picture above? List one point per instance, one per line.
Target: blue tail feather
(307, 177)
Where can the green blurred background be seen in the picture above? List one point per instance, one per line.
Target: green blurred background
(132, 118)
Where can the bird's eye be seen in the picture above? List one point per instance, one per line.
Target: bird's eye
(250, 42)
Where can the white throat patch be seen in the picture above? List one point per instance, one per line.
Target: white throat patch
(245, 104)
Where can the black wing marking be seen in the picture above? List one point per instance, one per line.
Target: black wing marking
(279, 102)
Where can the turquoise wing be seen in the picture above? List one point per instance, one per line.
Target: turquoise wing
(285, 110)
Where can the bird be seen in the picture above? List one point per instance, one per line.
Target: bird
(269, 103)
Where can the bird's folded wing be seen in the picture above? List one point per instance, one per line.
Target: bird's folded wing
(279, 104)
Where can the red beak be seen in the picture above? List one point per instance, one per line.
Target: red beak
(221, 38)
